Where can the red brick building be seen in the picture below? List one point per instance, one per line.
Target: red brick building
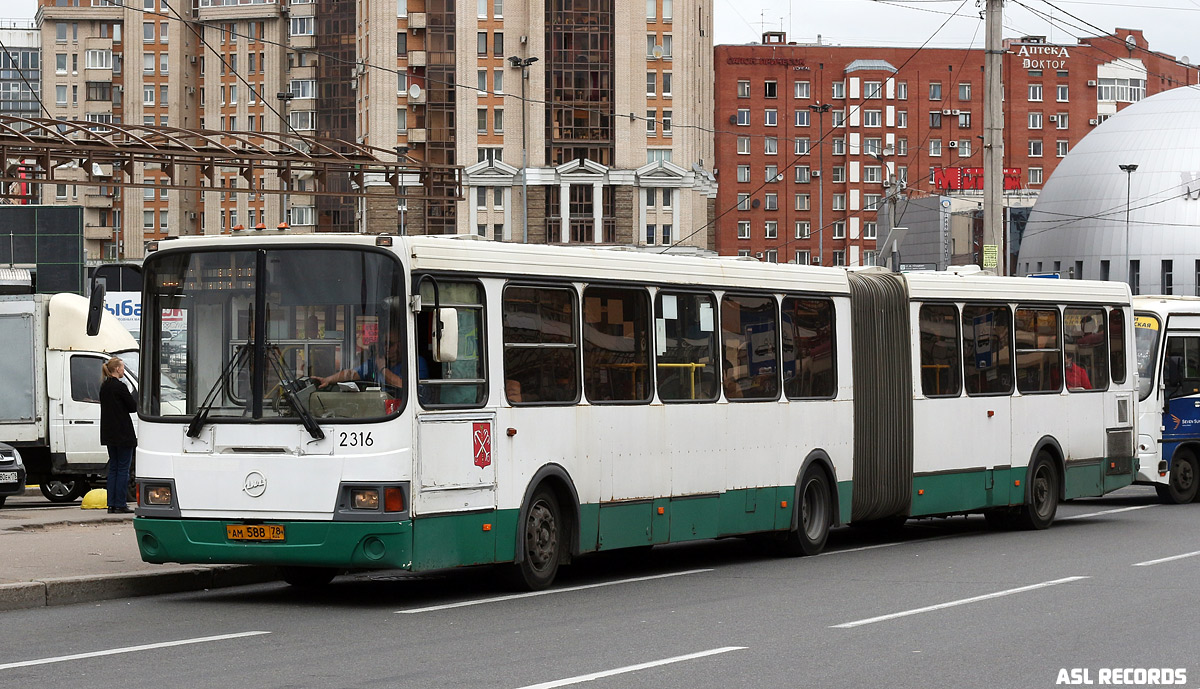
(796, 123)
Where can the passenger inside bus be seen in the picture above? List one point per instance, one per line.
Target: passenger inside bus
(1076, 375)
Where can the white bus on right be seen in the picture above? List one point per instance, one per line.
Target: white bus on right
(1167, 330)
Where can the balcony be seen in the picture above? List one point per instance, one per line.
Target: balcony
(417, 58)
(98, 232)
(416, 20)
(417, 136)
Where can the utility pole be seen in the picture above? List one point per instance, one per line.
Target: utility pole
(993, 135)
(523, 65)
(820, 109)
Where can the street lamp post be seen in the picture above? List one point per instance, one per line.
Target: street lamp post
(891, 185)
(1128, 170)
(523, 64)
(820, 109)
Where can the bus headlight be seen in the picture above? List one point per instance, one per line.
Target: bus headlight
(365, 498)
(158, 495)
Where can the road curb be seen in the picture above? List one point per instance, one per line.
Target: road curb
(85, 589)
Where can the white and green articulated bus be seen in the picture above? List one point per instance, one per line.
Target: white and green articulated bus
(362, 402)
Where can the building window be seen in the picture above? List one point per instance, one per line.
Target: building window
(651, 122)
(743, 202)
(771, 202)
(802, 174)
(1035, 120)
(803, 228)
(1035, 175)
(743, 173)
(935, 119)
(802, 203)
(498, 121)
(964, 148)
(964, 91)
(1035, 148)
(770, 89)
(839, 174)
(301, 26)
(935, 90)
(1035, 93)
(870, 231)
(801, 89)
(666, 88)
(743, 142)
(839, 203)
(964, 120)
(481, 121)
(901, 119)
(771, 256)
(801, 258)
(802, 118)
(873, 174)
(871, 202)
(498, 82)
(1060, 120)
(1060, 148)
(802, 146)
(743, 117)
(1061, 93)
(303, 88)
(743, 229)
(772, 229)
(935, 147)
(651, 84)
(498, 44)
(481, 43)
(838, 90)
(901, 90)
(770, 145)
(873, 89)
(743, 89)
(872, 118)
(770, 117)
(839, 257)
(772, 173)
(872, 145)
(148, 94)
(651, 230)
(837, 118)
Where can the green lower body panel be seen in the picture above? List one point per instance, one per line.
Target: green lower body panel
(464, 539)
(315, 544)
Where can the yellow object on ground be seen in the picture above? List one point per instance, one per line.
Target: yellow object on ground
(96, 499)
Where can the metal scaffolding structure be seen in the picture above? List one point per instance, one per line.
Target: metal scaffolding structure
(44, 151)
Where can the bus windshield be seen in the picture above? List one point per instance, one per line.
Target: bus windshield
(1146, 329)
(273, 334)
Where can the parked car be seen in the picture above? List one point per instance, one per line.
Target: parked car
(12, 473)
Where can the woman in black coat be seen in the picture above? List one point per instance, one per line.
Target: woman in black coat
(116, 431)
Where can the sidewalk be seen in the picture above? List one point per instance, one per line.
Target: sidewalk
(59, 554)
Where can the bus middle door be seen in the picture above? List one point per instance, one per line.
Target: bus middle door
(455, 484)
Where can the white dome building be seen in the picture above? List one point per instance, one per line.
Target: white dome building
(1078, 225)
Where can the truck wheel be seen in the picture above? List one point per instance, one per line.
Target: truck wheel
(64, 491)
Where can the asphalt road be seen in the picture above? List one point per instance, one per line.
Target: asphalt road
(949, 603)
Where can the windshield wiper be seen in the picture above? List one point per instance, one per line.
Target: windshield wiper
(210, 399)
(288, 385)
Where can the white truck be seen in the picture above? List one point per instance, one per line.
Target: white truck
(50, 407)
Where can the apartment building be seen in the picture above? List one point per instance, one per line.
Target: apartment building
(814, 139)
(544, 105)
(21, 79)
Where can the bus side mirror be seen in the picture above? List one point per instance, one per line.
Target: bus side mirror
(95, 310)
(445, 344)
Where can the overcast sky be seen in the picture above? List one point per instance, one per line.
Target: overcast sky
(1169, 25)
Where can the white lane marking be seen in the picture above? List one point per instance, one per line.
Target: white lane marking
(128, 649)
(515, 596)
(951, 604)
(631, 668)
(1147, 563)
(1094, 514)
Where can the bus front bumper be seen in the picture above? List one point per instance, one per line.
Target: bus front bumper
(342, 544)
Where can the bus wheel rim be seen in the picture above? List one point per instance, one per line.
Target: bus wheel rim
(813, 510)
(541, 536)
(1041, 491)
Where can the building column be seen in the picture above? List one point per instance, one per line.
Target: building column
(472, 211)
(676, 202)
(597, 212)
(639, 236)
(564, 212)
(507, 214)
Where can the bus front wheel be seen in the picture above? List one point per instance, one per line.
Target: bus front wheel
(1183, 482)
(542, 533)
(1041, 500)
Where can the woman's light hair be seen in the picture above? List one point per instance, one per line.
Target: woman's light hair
(110, 367)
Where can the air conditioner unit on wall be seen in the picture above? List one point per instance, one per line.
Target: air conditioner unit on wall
(1093, 122)
(947, 112)
(956, 112)
(1053, 118)
(952, 144)
(1091, 82)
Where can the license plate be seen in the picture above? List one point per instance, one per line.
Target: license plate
(8, 477)
(254, 532)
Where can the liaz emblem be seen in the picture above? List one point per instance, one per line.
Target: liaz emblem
(482, 434)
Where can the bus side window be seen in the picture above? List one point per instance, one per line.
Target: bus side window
(1084, 339)
(749, 337)
(1116, 344)
(1039, 351)
(686, 344)
(940, 366)
(1183, 355)
(809, 355)
(987, 349)
(616, 345)
(541, 344)
(462, 382)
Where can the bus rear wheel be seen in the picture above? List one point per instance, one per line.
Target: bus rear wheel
(814, 516)
(1184, 480)
(1041, 503)
(307, 577)
(542, 533)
